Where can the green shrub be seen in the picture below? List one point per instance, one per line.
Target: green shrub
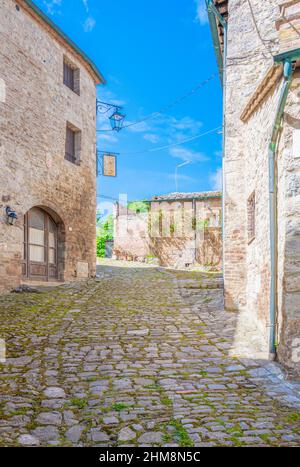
(105, 232)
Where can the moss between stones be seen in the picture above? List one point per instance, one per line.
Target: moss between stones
(78, 402)
(119, 406)
(179, 435)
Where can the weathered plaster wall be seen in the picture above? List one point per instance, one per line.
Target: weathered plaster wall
(34, 109)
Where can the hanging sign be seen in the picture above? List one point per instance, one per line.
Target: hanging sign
(109, 168)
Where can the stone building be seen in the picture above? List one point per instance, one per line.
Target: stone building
(258, 51)
(131, 235)
(48, 150)
(180, 229)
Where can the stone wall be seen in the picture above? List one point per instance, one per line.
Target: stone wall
(35, 106)
(178, 242)
(289, 232)
(247, 61)
(167, 233)
(131, 239)
(251, 46)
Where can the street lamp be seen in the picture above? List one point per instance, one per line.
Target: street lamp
(116, 118)
(176, 172)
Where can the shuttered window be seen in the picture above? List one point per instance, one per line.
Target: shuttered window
(68, 76)
(70, 145)
(71, 76)
(73, 144)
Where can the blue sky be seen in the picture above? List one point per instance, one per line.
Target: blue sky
(151, 53)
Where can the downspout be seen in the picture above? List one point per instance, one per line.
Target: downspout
(287, 72)
(214, 15)
(195, 228)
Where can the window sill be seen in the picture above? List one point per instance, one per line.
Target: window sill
(72, 90)
(73, 161)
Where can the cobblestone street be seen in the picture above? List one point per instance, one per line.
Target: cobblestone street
(138, 356)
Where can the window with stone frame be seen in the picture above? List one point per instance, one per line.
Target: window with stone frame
(71, 76)
(251, 217)
(73, 144)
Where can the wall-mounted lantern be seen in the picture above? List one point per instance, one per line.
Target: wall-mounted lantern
(116, 118)
(11, 215)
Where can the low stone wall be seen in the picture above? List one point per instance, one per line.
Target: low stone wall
(168, 234)
(131, 239)
(184, 251)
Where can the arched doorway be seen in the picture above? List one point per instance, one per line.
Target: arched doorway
(41, 245)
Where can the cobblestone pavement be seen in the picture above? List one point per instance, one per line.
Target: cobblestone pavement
(139, 356)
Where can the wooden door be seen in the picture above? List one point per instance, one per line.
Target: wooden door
(40, 246)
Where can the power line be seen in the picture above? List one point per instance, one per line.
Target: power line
(170, 105)
(187, 140)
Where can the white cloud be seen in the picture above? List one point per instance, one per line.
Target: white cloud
(219, 153)
(187, 154)
(185, 178)
(109, 137)
(201, 15)
(164, 127)
(215, 179)
(86, 5)
(171, 128)
(151, 137)
(178, 129)
(51, 5)
(186, 124)
(140, 128)
(149, 175)
(105, 95)
(89, 24)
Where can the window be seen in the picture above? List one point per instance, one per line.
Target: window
(251, 217)
(73, 144)
(71, 76)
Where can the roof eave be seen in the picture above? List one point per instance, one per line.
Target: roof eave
(292, 55)
(196, 198)
(216, 40)
(97, 74)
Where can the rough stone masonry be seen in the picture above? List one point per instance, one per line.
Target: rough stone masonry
(36, 107)
(257, 31)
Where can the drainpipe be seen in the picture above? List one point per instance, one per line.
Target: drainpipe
(195, 228)
(287, 71)
(214, 15)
